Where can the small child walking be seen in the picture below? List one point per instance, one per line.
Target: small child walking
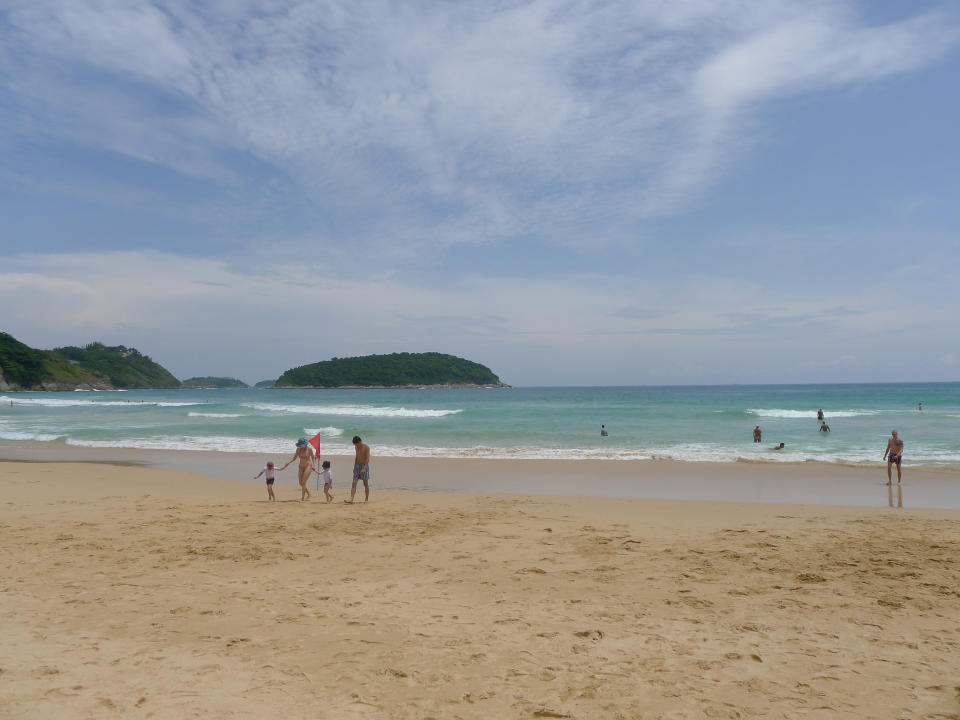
(271, 476)
(327, 481)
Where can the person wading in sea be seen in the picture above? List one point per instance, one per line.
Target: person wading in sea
(894, 454)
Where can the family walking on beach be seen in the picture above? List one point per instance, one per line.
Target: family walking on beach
(307, 458)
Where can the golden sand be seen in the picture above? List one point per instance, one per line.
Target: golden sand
(128, 592)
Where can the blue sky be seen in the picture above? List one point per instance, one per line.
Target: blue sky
(637, 192)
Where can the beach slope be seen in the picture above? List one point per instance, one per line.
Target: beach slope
(145, 593)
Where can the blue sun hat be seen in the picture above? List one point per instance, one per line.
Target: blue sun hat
(302, 442)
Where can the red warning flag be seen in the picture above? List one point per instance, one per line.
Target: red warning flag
(315, 443)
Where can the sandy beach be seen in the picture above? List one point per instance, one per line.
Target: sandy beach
(137, 592)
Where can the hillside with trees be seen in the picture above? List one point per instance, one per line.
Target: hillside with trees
(393, 370)
(92, 367)
(125, 367)
(24, 368)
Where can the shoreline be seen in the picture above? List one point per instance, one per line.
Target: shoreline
(806, 483)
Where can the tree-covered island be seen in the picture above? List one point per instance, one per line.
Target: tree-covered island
(213, 382)
(393, 370)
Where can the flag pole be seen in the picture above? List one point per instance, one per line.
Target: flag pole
(315, 443)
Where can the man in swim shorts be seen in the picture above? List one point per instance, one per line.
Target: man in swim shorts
(894, 454)
(361, 469)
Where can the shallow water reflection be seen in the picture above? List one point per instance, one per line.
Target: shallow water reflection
(899, 495)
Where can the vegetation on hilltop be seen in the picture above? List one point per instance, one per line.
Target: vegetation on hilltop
(125, 367)
(213, 382)
(265, 384)
(24, 368)
(19, 363)
(395, 369)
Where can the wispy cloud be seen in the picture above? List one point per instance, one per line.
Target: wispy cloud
(516, 181)
(457, 122)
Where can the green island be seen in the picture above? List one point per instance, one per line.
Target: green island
(394, 370)
(94, 367)
(213, 382)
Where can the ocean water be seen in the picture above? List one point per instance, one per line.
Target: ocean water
(708, 423)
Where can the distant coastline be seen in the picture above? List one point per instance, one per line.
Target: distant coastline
(412, 386)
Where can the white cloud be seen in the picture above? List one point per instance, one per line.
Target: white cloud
(456, 121)
(817, 52)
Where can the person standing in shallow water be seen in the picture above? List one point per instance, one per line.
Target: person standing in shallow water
(757, 434)
(894, 454)
(361, 469)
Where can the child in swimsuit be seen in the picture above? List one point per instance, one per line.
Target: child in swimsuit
(327, 480)
(271, 476)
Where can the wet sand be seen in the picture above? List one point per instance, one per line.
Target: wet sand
(811, 483)
(137, 592)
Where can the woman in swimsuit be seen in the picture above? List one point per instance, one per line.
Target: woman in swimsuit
(305, 453)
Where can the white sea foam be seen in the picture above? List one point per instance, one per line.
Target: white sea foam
(681, 453)
(351, 410)
(192, 442)
(495, 453)
(28, 436)
(215, 415)
(324, 431)
(78, 402)
(777, 413)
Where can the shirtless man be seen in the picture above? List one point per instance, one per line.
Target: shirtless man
(305, 453)
(361, 469)
(757, 434)
(893, 454)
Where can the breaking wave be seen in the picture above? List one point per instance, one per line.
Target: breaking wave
(791, 414)
(192, 442)
(28, 436)
(79, 402)
(351, 410)
(324, 431)
(215, 415)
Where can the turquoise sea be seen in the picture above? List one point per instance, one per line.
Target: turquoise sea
(688, 423)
